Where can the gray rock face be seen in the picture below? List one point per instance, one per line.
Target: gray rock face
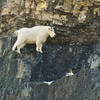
(22, 76)
(83, 86)
(53, 63)
(34, 76)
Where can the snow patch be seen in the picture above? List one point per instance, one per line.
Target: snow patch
(70, 73)
(49, 83)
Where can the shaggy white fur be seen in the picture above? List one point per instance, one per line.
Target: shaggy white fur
(35, 35)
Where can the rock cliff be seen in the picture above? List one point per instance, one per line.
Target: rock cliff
(35, 76)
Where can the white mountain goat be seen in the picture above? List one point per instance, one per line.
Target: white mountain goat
(35, 35)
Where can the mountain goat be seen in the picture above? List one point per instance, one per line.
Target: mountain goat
(35, 35)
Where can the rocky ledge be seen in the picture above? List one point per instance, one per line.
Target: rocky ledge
(34, 76)
(31, 75)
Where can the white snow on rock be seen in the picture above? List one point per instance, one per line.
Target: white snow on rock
(70, 73)
(49, 83)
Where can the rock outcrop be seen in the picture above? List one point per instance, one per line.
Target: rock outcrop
(22, 76)
(34, 76)
(19, 13)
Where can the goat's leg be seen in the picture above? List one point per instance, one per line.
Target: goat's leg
(39, 47)
(20, 47)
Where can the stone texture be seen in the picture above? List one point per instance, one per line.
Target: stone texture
(81, 86)
(76, 47)
(22, 76)
(50, 12)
